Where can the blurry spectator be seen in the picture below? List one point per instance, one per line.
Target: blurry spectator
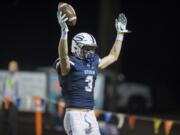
(8, 112)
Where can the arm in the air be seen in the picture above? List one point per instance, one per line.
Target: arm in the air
(63, 45)
(120, 24)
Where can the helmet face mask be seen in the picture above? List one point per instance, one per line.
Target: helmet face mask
(83, 43)
(87, 49)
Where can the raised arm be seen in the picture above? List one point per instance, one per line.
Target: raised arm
(120, 25)
(63, 45)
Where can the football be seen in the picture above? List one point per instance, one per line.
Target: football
(67, 9)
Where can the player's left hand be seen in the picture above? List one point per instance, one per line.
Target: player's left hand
(121, 23)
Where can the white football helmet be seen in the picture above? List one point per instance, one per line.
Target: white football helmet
(79, 41)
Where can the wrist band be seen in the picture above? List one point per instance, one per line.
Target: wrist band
(120, 37)
(64, 35)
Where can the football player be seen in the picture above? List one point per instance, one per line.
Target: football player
(78, 71)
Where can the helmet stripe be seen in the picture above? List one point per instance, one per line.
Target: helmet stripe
(79, 38)
(77, 43)
(92, 38)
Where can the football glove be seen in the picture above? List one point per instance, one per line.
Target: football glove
(121, 23)
(62, 21)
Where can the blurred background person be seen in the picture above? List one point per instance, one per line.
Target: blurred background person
(8, 112)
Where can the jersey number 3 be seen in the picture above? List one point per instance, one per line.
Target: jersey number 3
(89, 80)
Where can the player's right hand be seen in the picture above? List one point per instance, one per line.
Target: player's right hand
(62, 21)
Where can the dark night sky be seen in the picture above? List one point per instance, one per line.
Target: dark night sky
(30, 33)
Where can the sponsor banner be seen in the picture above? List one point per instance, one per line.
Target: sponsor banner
(31, 84)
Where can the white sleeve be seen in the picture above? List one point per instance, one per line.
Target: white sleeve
(72, 63)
